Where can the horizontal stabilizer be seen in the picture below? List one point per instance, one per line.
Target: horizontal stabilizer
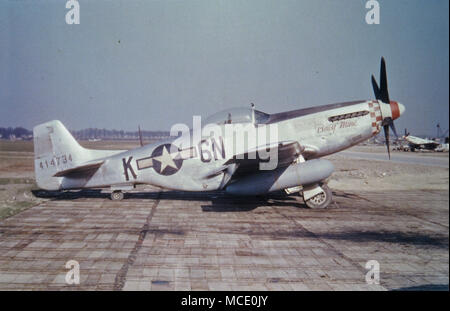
(80, 169)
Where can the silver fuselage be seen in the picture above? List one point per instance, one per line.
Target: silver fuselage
(320, 131)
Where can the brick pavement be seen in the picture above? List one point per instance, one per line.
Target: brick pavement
(207, 241)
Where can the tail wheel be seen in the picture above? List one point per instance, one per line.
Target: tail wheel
(321, 200)
(117, 195)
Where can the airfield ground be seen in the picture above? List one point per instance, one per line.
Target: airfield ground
(395, 213)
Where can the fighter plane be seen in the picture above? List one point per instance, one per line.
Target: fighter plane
(417, 143)
(215, 161)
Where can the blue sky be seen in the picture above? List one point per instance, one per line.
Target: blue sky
(156, 63)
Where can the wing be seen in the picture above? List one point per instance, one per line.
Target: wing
(249, 162)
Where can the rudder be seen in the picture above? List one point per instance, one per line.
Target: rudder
(55, 149)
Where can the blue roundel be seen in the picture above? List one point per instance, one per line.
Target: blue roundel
(166, 159)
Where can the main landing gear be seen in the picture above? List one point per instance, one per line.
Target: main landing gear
(317, 196)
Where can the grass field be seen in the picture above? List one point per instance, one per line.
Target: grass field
(16, 177)
(17, 145)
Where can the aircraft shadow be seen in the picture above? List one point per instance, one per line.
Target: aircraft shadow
(396, 237)
(426, 287)
(219, 200)
(229, 203)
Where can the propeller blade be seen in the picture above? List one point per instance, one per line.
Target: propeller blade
(384, 93)
(140, 136)
(376, 89)
(386, 137)
(392, 125)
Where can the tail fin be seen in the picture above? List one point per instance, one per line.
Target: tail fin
(57, 154)
(55, 149)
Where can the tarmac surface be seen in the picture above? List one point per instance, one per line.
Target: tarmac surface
(427, 159)
(169, 240)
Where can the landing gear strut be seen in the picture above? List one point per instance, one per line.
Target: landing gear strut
(317, 196)
(117, 195)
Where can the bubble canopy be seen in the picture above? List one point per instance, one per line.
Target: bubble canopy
(237, 115)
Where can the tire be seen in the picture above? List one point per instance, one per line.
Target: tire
(322, 200)
(117, 196)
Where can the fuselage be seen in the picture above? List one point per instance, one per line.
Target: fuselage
(320, 131)
(421, 143)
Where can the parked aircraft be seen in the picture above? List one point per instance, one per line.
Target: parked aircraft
(215, 161)
(416, 143)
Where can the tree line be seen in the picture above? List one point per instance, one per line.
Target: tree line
(84, 134)
(17, 132)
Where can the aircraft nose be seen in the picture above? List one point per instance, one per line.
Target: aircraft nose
(397, 109)
(401, 108)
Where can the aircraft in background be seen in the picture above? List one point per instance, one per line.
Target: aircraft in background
(213, 162)
(416, 143)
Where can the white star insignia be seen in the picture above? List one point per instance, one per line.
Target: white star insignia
(166, 160)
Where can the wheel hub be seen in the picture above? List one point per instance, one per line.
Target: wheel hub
(318, 199)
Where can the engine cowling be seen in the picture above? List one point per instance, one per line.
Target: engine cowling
(304, 173)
